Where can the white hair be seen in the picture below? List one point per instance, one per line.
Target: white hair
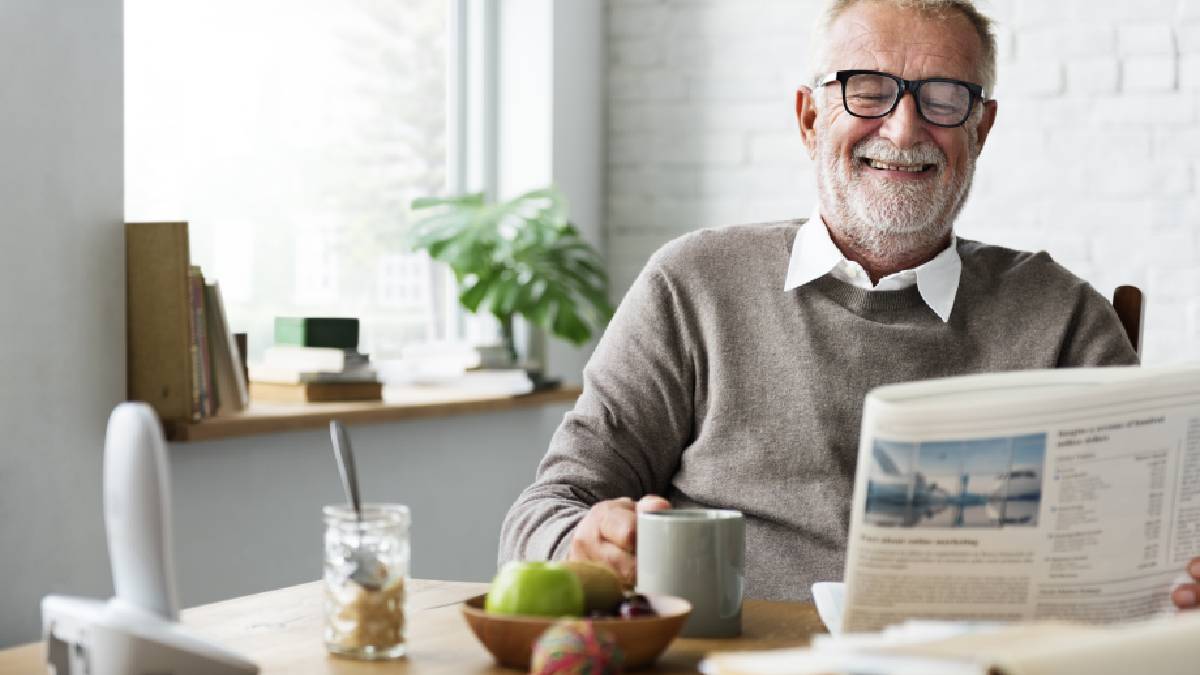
(934, 8)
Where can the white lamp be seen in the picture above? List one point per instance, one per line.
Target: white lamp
(137, 631)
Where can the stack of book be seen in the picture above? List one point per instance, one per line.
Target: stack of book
(218, 380)
(315, 360)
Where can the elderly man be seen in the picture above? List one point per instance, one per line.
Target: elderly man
(734, 371)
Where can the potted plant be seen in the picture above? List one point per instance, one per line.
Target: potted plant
(518, 258)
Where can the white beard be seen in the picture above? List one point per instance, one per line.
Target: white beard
(891, 223)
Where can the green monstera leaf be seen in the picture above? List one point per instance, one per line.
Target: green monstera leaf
(520, 257)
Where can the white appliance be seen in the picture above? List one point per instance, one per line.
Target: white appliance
(137, 631)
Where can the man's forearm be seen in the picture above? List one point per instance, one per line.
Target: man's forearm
(626, 433)
(539, 526)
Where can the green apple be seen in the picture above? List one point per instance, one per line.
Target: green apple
(535, 589)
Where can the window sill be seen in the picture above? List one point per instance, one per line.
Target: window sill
(415, 403)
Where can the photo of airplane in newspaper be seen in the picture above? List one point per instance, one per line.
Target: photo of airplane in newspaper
(975, 483)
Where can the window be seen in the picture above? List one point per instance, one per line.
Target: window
(292, 137)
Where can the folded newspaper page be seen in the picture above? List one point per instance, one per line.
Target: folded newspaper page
(1162, 646)
(1070, 495)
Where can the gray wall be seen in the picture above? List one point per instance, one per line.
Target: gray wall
(62, 298)
(248, 511)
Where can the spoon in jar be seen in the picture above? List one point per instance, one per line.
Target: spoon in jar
(366, 570)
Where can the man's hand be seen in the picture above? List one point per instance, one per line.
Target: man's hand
(608, 534)
(1187, 596)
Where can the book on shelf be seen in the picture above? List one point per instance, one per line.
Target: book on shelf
(316, 392)
(314, 359)
(159, 320)
(232, 393)
(317, 331)
(261, 372)
(489, 382)
(204, 398)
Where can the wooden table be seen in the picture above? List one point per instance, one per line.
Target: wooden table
(281, 631)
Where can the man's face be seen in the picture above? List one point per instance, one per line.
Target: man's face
(895, 184)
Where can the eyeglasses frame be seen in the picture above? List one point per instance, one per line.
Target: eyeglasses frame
(905, 86)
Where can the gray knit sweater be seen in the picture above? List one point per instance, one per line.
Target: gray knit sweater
(714, 387)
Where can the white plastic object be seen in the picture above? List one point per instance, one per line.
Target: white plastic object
(136, 632)
(137, 511)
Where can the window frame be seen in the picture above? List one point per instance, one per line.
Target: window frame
(473, 146)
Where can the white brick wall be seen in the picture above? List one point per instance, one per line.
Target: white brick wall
(1095, 156)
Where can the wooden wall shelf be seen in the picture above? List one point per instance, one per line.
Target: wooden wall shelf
(404, 404)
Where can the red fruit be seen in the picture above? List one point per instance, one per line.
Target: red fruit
(636, 606)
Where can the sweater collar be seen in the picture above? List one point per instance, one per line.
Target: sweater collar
(814, 255)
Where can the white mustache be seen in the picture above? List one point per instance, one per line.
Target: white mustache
(883, 151)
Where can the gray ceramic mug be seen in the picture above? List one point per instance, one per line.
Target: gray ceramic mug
(698, 555)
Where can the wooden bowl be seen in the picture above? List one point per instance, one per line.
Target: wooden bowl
(510, 638)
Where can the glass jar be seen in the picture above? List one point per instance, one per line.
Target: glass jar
(366, 578)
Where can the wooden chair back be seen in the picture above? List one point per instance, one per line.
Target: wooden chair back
(1127, 300)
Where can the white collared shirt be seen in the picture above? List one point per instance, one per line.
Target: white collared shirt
(814, 255)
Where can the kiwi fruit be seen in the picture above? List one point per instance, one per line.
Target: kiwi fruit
(602, 588)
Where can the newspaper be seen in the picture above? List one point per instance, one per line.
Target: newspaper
(1162, 646)
(1066, 495)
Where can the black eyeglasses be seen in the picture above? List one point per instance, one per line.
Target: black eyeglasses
(871, 94)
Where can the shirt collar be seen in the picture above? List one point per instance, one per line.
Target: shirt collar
(814, 255)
